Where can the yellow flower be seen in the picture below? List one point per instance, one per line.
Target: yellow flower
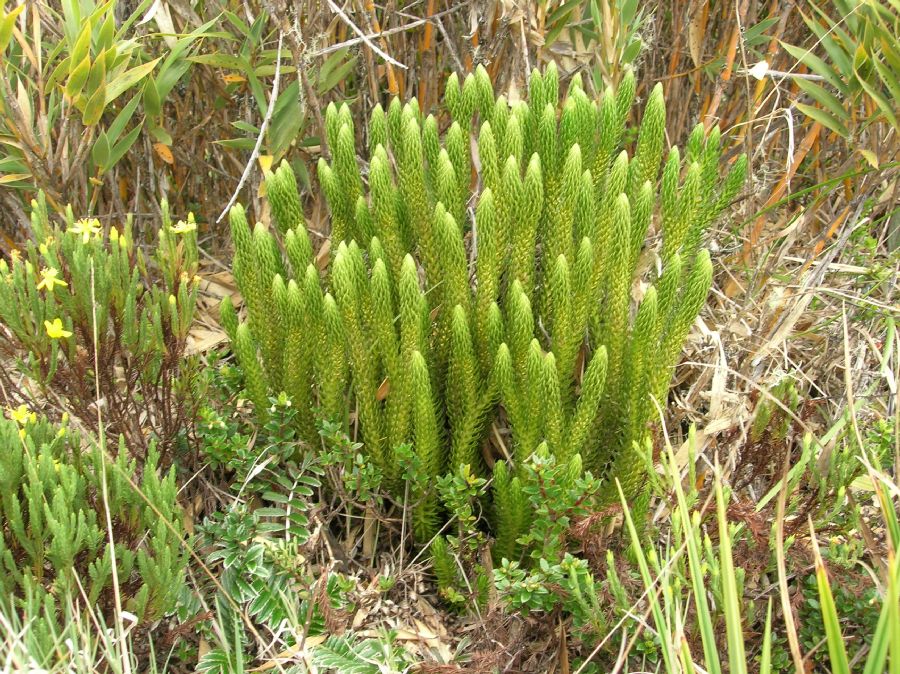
(184, 227)
(49, 280)
(55, 329)
(45, 245)
(19, 415)
(86, 227)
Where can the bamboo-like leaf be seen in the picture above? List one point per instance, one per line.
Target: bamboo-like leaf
(818, 66)
(824, 118)
(824, 97)
(122, 83)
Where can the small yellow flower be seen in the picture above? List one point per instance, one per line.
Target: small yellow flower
(55, 329)
(184, 227)
(19, 415)
(113, 234)
(86, 228)
(49, 280)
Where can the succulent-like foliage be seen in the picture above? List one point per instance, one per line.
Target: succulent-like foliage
(488, 283)
(55, 542)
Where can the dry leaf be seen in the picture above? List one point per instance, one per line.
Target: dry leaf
(201, 340)
(292, 652)
(164, 152)
(697, 31)
(383, 390)
(324, 255)
(870, 157)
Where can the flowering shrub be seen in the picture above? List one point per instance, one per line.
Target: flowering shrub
(89, 320)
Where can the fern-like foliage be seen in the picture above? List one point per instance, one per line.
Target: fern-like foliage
(429, 326)
(342, 655)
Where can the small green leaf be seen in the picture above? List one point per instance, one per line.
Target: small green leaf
(246, 127)
(100, 151)
(818, 66)
(238, 143)
(218, 60)
(824, 35)
(824, 97)
(121, 121)
(631, 51)
(60, 70)
(327, 83)
(98, 74)
(152, 103)
(77, 78)
(756, 34)
(82, 45)
(161, 135)
(95, 106)
(887, 109)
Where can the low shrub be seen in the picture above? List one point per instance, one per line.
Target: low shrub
(90, 320)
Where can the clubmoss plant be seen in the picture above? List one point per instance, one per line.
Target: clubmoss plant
(485, 277)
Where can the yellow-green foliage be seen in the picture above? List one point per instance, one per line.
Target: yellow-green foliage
(522, 315)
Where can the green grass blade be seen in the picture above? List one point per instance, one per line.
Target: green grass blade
(878, 651)
(892, 603)
(735, 634)
(836, 650)
(765, 656)
(692, 540)
(662, 626)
